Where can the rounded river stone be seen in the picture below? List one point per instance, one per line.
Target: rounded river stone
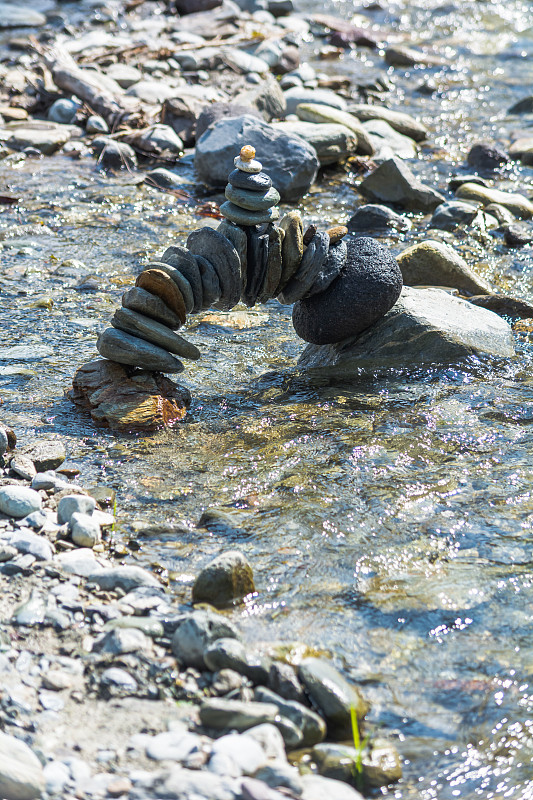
(335, 261)
(146, 328)
(144, 302)
(313, 258)
(252, 201)
(162, 285)
(180, 280)
(180, 258)
(367, 287)
(242, 217)
(125, 349)
(210, 283)
(220, 252)
(258, 182)
(292, 248)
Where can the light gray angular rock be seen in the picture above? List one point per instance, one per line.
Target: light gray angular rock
(158, 140)
(324, 97)
(174, 745)
(267, 97)
(19, 501)
(394, 182)
(45, 139)
(288, 160)
(72, 504)
(80, 562)
(28, 542)
(279, 774)
(120, 678)
(332, 142)
(231, 654)
(85, 530)
(245, 751)
(222, 714)
(4, 443)
(434, 263)
(185, 784)
(56, 775)
(195, 632)
(123, 640)
(318, 113)
(124, 577)
(425, 326)
(453, 213)
(46, 454)
(311, 725)
(21, 772)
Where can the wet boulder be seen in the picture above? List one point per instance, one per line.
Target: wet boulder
(287, 159)
(425, 326)
(436, 264)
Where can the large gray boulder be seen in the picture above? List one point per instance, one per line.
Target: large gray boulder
(394, 182)
(426, 326)
(291, 163)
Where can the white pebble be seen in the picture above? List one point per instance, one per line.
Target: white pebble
(252, 166)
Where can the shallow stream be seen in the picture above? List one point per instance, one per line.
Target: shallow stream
(389, 520)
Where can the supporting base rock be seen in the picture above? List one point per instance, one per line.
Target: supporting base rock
(128, 399)
(425, 326)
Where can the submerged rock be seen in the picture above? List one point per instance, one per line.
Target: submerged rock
(425, 326)
(127, 399)
(436, 264)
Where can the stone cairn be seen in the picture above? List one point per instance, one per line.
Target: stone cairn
(248, 258)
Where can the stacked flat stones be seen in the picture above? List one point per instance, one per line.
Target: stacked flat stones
(247, 258)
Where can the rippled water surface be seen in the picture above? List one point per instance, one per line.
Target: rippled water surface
(388, 519)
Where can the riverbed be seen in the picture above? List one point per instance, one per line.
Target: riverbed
(388, 518)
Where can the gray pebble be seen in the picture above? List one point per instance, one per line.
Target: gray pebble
(72, 504)
(85, 530)
(19, 501)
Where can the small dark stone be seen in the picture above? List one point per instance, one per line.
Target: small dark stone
(257, 263)
(458, 180)
(219, 252)
(112, 154)
(524, 106)
(373, 217)
(364, 291)
(331, 267)
(195, 6)
(179, 258)
(517, 235)
(217, 111)
(258, 182)
(486, 157)
(283, 680)
(289, 60)
(308, 235)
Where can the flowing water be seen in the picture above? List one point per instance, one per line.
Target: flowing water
(388, 519)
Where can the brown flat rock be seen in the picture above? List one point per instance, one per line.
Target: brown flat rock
(159, 283)
(127, 399)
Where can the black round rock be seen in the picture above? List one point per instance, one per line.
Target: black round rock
(364, 291)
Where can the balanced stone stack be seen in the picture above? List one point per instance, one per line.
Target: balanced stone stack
(338, 289)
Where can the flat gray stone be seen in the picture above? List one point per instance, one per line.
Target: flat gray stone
(292, 247)
(232, 654)
(316, 787)
(401, 122)
(46, 140)
(45, 454)
(252, 182)
(221, 714)
(324, 97)
(332, 142)
(375, 218)
(145, 328)
(26, 541)
(393, 182)
(137, 299)
(180, 258)
(252, 201)
(274, 265)
(21, 772)
(179, 279)
(211, 290)
(185, 784)
(239, 241)
(450, 215)
(387, 142)
(220, 252)
(313, 258)
(425, 326)
(125, 578)
(123, 348)
(240, 216)
(175, 745)
(320, 113)
(311, 725)
(19, 501)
